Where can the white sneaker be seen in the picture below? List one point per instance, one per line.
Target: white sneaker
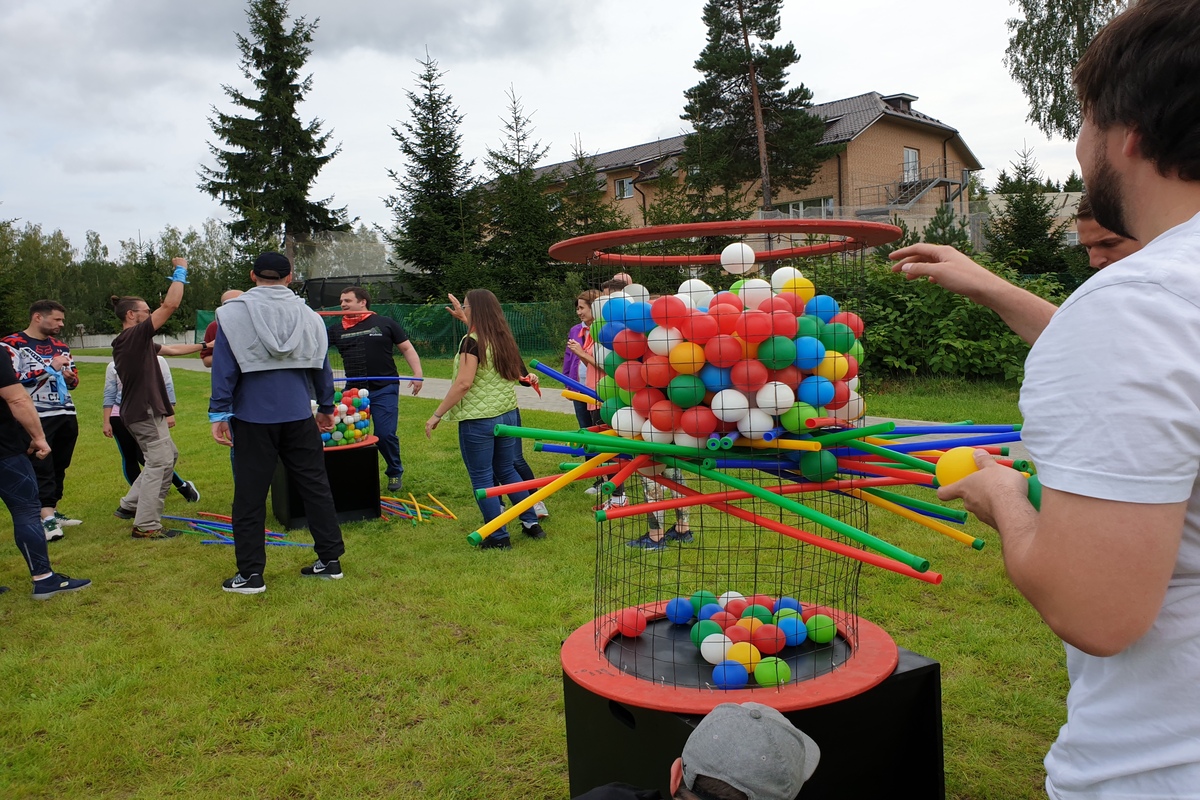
(64, 521)
(540, 509)
(593, 489)
(53, 532)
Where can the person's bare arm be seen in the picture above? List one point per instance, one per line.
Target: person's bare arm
(24, 412)
(170, 303)
(468, 365)
(106, 425)
(414, 364)
(179, 349)
(1024, 312)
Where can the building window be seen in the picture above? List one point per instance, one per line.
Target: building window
(1072, 238)
(912, 164)
(623, 188)
(816, 208)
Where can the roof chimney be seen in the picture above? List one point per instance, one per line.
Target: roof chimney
(900, 102)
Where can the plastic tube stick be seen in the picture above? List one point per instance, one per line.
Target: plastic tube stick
(826, 422)
(900, 458)
(574, 385)
(537, 483)
(919, 505)
(918, 518)
(965, 441)
(623, 474)
(449, 513)
(782, 444)
(920, 478)
(600, 441)
(851, 434)
(579, 396)
(567, 450)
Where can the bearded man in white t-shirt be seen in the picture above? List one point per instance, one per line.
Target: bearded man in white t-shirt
(1111, 402)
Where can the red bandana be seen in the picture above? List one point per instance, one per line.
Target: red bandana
(350, 320)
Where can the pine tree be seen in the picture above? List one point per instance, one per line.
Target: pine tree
(945, 228)
(1073, 183)
(435, 208)
(521, 225)
(748, 124)
(1025, 232)
(273, 158)
(584, 204)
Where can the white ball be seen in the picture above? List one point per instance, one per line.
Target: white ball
(700, 292)
(854, 409)
(781, 276)
(729, 405)
(738, 258)
(755, 292)
(660, 340)
(363, 393)
(598, 307)
(637, 293)
(714, 648)
(725, 598)
(601, 353)
(336, 436)
(342, 409)
(654, 469)
(627, 422)
(775, 397)
(687, 301)
(853, 384)
(687, 440)
(755, 424)
(653, 434)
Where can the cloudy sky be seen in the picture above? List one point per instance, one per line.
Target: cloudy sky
(104, 104)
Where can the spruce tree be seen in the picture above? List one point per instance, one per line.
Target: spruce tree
(435, 208)
(272, 159)
(946, 228)
(584, 204)
(1025, 233)
(748, 124)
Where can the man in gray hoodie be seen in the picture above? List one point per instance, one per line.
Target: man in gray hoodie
(269, 364)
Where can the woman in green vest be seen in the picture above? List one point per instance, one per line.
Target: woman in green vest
(482, 395)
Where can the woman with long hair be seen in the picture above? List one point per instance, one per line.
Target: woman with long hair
(482, 395)
(579, 360)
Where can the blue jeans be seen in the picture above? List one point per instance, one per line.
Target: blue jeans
(385, 409)
(19, 491)
(489, 461)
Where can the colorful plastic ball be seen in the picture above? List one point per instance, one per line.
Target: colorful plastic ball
(700, 328)
(702, 630)
(697, 291)
(730, 595)
(833, 367)
(774, 398)
(679, 610)
(687, 358)
(783, 323)
(750, 624)
(790, 376)
(725, 299)
(627, 422)
(669, 311)
(691, 442)
(606, 388)
(337, 397)
(342, 409)
(723, 351)
(755, 292)
(809, 326)
(738, 258)
(611, 361)
(653, 434)
(609, 408)
(854, 409)
(737, 633)
(629, 344)
(609, 333)
(715, 647)
(768, 639)
(955, 464)
(810, 352)
(363, 393)
(631, 622)
(851, 320)
(745, 654)
(665, 415)
(748, 376)
(818, 466)
(714, 378)
(777, 352)
(756, 424)
(764, 600)
(325, 437)
(821, 629)
(661, 340)
(644, 400)
(786, 602)
(841, 396)
(781, 276)
(794, 630)
(708, 610)
(802, 287)
(730, 675)
(856, 352)
(686, 391)
(815, 390)
(836, 336)
(357, 402)
(724, 619)
(698, 421)
(772, 671)
(658, 371)
(638, 318)
(726, 315)
(823, 307)
(759, 612)
(783, 613)
(630, 376)
(736, 605)
(754, 326)
(701, 598)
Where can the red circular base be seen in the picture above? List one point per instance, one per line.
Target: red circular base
(875, 657)
(366, 440)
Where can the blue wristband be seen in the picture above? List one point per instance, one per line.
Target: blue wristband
(219, 416)
(180, 275)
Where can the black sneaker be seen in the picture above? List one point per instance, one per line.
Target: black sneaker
(677, 536)
(123, 513)
(153, 533)
(535, 531)
(57, 583)
(330, 570)
(190, 492)
(495, 542)
(395, 484)
(3, 589)
(239, 585)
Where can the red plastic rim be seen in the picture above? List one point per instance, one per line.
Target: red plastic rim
(366, 440)
(875, 658)
(856, 235)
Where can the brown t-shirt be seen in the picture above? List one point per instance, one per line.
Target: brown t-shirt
(143, 392)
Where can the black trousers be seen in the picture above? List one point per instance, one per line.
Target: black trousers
(259, 447)
(62, 431)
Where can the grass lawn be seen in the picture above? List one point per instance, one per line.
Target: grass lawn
(432, 669)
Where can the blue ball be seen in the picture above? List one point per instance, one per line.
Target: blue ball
(823, 307)
(788, 602)
(715, 378)
(707, 611)
(730, 675)
(815, 390)
(679, 610)
(809, 352)
(609, 332)
(793, 629)
(366, 401)
(637, 317)
(615, 310)
(325, 437)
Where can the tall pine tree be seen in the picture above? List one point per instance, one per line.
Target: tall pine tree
(272, 159)
(436, 211)
(748, 124)
(1026, 233)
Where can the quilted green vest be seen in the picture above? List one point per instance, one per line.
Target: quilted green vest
(489, 396)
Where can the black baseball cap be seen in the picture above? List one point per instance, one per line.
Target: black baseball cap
(272, 266)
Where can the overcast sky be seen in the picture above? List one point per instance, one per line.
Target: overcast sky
(104, 103)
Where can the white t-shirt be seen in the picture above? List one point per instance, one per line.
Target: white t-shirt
(1111, 403)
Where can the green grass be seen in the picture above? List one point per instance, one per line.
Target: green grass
(431, 670)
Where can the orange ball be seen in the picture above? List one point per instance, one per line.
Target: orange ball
(687, 358)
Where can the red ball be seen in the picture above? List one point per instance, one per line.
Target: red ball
(789, 376)
(852, 372)
(726, 316)
(630, 344)
(736, 606)
(778, 302)
(737, 633)
(723, 351)
(754, 326)
(726, 299)
(631, 376)
(698, 421)
(724, 619)
(631, 622)
(658, 371)
(644, 400)
(699, 328)
(746, 376)
(841, 395)
(791, 301)
(768, 639)
(665, 415)
(764, 600)
(851, 320)
(783, 323)
(669, 311)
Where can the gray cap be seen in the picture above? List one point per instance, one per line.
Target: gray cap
(754, 749)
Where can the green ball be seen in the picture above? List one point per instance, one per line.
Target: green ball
(701, 599)
(625, 396)
(595, 329)
(783, 613)
(772, 671)
(611, 362)
(821, 629)
(837, 337)
(777, 352)
(609, 407)
(686, 391)
(760, 613)
(856, 350)
(793, 418)
(819, 466)
(737, 286)
(341, 426)
(809, 325)
(606, 388)
(337, 397)
(702, 629)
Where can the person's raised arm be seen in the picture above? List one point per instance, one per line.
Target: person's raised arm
(1024, 312)
(180, 350)
(174, 297)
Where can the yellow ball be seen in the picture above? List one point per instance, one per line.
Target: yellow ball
(802, 288)
(833, 367)
(687, 358)
(749, 623)
(745, 654)
(955, 464)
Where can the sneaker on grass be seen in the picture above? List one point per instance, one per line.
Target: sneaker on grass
(495, 542)
(679, 536)
(190, 492)
(644, 542)
(540, 509)
(331, 570)
(52, 530)
(64, 521)
(124, 513)
(153, 533)
(239, 585)
(534, 531)
(57, 583)
(395, 484)
(616, 501)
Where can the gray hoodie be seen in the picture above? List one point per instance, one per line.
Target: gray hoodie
(271, 327)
